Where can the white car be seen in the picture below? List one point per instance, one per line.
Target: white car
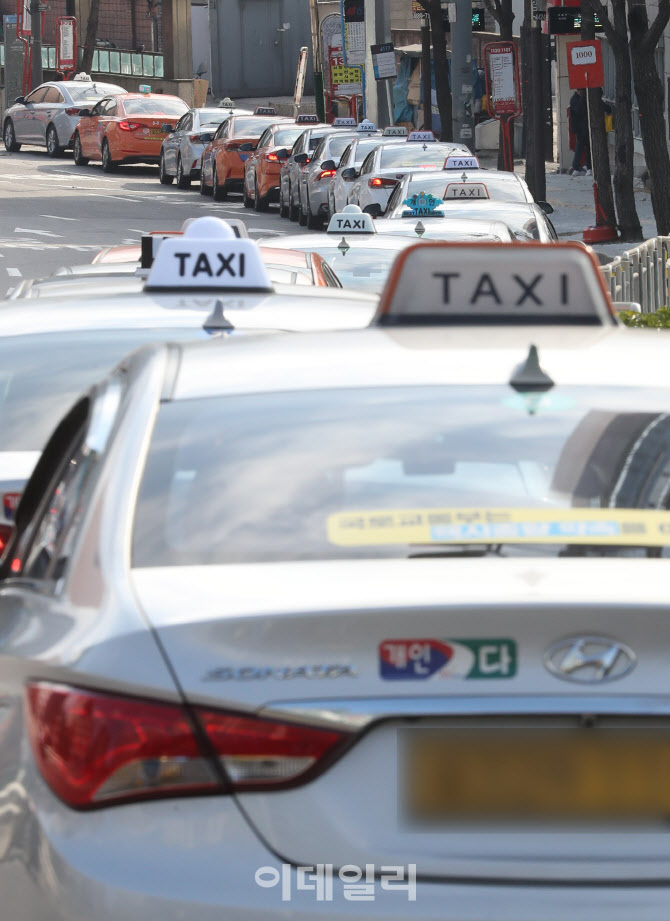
(182, 149)
(362, 258)
(358, 626)
(385, 166)
(348, 168)
(48, 116)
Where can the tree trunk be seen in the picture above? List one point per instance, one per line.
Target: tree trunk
(91, 35)
(650, 98)
(600, 159)
(526, 89)
(441, 66)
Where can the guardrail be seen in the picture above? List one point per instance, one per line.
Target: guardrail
(641, 275)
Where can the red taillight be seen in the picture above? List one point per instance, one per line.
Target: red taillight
(96, 749)
(266, 753)
(379, 183)
(5, 534)
(72, 111)
(273, 157)
(129, 126)
(327, 173)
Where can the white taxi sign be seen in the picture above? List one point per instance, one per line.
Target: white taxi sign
(466, 190)
(351, 220)
(421, 136)
(208, 256)
(227, 103)
(461, 162)
(366, 125)
(344, 123)
(265, 110)
(434, 283)
(307, 119)
(395, 131)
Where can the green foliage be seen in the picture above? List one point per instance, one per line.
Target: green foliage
(658, 320)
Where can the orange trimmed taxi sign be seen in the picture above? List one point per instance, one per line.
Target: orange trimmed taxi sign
(438, 282)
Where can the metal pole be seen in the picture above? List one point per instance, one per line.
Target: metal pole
(463, 119)
(389, 100)
(537, 115)
(36, 42)
(426, 83)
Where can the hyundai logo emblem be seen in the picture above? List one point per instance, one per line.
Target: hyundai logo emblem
(589, 659)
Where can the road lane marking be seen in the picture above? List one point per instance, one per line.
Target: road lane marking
(40, 233)
(59, 217)
(15, 273)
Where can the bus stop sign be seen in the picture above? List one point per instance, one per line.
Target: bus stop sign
(585, 64)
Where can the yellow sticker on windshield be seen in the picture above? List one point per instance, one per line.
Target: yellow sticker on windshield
(616, 526)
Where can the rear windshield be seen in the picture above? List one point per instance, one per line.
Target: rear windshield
(91, 92)
(287, 138)
(250, 127)
(165, 106)
(315, 138)
(413, 155)
(335, 147)
(363, 148)
(406, 471)
(508, 191)
(366, 268)
(42, 375)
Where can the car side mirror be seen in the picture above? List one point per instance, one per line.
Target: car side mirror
(375, 209)
(207, 137)
(20, 101)
(84, 113)
(301, 158)
(282, 154)
(247, 146)
(349, 174)
(329, 164)
(546, 207)
(167, 128)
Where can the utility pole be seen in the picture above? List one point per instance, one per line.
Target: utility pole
(535, 151)
(463, 118)
(426, 84)
(37, 76)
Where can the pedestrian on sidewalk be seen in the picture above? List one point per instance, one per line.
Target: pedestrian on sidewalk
(579, 123)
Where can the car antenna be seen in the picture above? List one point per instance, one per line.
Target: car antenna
(419, 230)
(529, 376)
(216, 319)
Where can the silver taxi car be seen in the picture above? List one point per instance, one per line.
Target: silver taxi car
(277, 636)
(48, 116)
(182, 149)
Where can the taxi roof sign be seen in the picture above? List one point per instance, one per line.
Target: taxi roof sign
(344, 123)
(461, 162)
(208, 256)
(416, 136)
(227, 103)
(466, 190)
(307, 120)
(265, 110)
(438, 283)
(144, 88)
(366, 125)
(351, 220)
(395, 131)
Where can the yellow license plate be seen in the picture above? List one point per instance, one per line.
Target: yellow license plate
(154, 134)
(545, 775)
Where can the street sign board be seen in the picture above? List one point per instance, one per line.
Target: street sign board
(66, 44)
(585, 64)
(383, 61)
(354, 31)
(502, 79)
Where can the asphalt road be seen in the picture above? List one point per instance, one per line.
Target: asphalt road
(53, 213)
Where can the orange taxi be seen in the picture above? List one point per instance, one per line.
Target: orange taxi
(222, 163)
(126, 128)
(263, 166)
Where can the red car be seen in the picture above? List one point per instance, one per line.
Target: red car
(263, 166)
(222, 164)
(126, 128)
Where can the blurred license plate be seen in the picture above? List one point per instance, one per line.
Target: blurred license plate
(508, 774)
(155, 134)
